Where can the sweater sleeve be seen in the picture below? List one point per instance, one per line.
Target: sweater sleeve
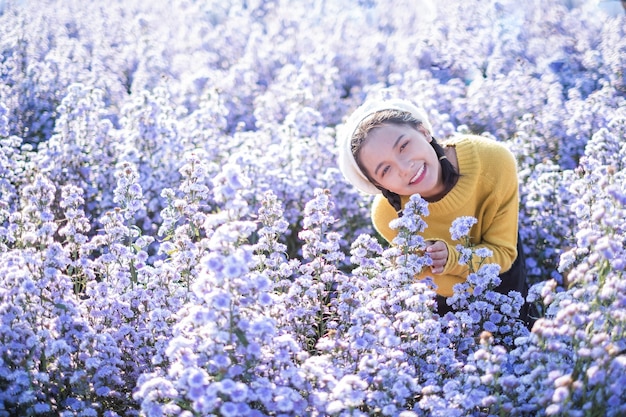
(499, 225)
(383, 213)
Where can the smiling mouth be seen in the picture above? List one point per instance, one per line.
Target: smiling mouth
(418, 175)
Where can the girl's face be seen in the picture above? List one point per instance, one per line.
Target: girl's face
(401, 159)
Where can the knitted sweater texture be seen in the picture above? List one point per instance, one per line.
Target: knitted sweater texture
(487, 190)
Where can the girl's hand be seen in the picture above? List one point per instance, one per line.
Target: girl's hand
(438, 252)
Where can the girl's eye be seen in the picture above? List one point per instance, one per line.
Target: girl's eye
(404, 145)
(384, 171)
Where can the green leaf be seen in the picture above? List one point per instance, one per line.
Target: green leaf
(242, 337)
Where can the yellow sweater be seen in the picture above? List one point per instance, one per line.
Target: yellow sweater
(486, 190)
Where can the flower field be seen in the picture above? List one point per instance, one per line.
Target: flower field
(176, 238)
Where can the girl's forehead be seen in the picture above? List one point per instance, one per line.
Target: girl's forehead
(386, 130)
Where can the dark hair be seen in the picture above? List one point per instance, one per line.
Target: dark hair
(398, 117)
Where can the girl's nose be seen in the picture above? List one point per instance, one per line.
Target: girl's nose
(407, 168)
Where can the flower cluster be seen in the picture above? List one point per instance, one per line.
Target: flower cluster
(226, 356)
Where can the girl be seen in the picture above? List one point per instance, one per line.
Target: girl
(387, 148)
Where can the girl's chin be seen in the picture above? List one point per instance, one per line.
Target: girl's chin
(406, 191)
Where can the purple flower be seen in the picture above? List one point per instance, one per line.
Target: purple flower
(4, 121)
(197, 378)
(222, 301)
(483, 252)
(229, 409)
(461, 227)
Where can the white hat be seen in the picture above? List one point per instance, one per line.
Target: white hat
(347, 163)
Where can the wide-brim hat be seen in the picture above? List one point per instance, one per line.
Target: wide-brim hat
(347, 163)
